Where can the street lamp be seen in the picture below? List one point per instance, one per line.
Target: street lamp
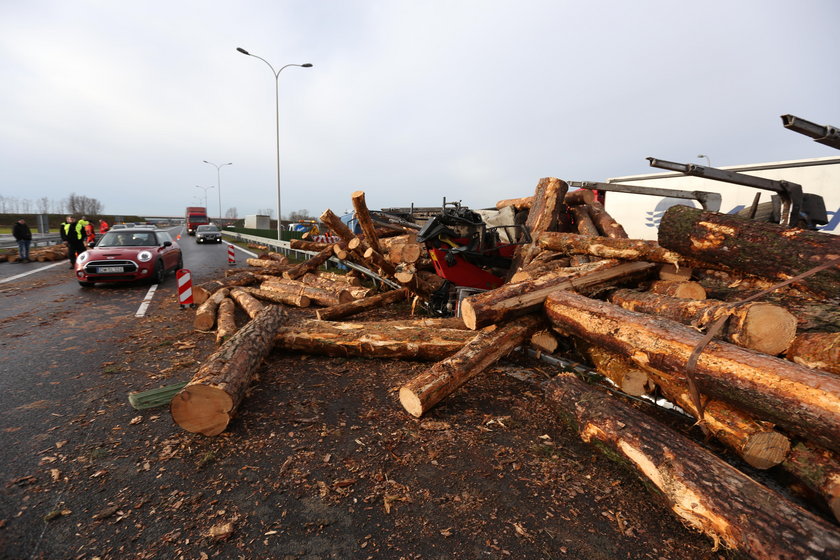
(708, 161)
(205, 194)
(277, 123)
(218, 182)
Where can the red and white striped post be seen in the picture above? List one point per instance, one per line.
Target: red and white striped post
(185, 293)
(231, 255)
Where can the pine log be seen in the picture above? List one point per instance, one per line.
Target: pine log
(209, 401)
(583, 221)
(819, 469)
(626, 375)
(268, 265)
(340, 251)
(247, 302)
(274, 256)
(339, 278)
(517, 203)
(701, 489)
(679, 289)
(608, 248)
(757, 248)
(604, 222)
(293, 299)
(521, 298)
(542, 217)
(670, 272)
(360, 305)
(803, 401)
(380, 263)
(430, 322)
(311, 246)
(310, 264)
(538, 269)
(206, 289)
(544, 341)
(757, 325)
(579, 196)
(445, 377)
(321, 296)
(205, 314)
(373, 340)
(365, 221)
(226, 320)
(816, 350)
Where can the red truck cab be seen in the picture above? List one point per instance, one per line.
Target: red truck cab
(196, 216)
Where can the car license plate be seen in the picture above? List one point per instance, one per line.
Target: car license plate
(107, 269)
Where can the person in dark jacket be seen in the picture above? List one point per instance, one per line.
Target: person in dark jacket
(74, 236)
(23, 237)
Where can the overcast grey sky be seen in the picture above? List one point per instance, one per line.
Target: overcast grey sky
(410, 101)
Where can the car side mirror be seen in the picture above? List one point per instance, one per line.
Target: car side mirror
(167, 244)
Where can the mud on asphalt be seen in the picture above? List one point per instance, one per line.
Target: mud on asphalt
(322, 462)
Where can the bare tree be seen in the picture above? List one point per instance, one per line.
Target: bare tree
(43, 205)
(231, 213)
(300, 215)
(266, 212)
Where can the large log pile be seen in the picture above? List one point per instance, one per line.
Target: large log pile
(636, 312)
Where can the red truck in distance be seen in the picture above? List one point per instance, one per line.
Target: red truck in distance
(196, 216)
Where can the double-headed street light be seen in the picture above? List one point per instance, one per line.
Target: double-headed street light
(205, 193)
(218, 182)
(277, 122)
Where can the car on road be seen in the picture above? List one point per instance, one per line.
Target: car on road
(126, 255)
(207, 233)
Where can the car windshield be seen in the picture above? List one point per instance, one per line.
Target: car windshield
(126, 238)
(207, 228)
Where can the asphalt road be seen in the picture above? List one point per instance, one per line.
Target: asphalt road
(57, 339)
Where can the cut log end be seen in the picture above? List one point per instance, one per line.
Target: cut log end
(766, 449)
(411, 402)
(767, 328)
(202, 409)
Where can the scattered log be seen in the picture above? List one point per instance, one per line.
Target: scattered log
(626, 375)
(293, 299)
(319, 295)
(206, 289)
(604, 222)
(816, 350)
(360, 305)
(365, 221)
(373, 340)
(311, 246)
(608, 248)
(670, 272)
(380, 263)
(267, 266)
(804, 401)
(538, 269)
(247, 302)
(310, 264)
(209, 401)
(350, 281)
(517, 203)
(583, 222)
(819, 469)
(704, 491)
(205, 314)
(761, 249)
(542, 217)
(679, 289)
(226, 321)
(579, 196)
(279, 257)
(511, 300)
(544, 340)
(429, 388)
(760, 326)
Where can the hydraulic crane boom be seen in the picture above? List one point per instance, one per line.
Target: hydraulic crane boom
(828, 135)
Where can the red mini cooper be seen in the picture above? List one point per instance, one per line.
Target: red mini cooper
(130, 254)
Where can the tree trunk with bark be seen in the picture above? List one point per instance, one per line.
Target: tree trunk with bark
(704, 491)
(819, 470)
(757, 325)
(205, 290)
(373, 340)
(542, 217)
(209, 401)
(626, 375)
(583, 222)
(517, 203)
(311, 246)
(360, 305)
(761, 249)
(246, 301)
(273, 296)
(226, 321)
(608, 248)
(321, 296)
(205, 314)
(579, 196)
(679, 289)
(803, 401)
(604, 222)
(365, 221)
(309, 265)
(429, 388)
(511, 300)
(817, 350)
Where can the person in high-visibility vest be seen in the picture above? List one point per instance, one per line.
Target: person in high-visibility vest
(103, 226)
(73, 235)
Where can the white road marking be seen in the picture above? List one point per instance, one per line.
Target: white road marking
(64, 262)
(141, 311)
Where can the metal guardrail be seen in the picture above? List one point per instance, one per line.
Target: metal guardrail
(38, 240)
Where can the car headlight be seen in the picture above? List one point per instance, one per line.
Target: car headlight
(83, 257)
(144, 256)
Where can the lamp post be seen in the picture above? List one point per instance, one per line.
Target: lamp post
(277, 122)
(205, 193)
(219, 183)
(708, 161)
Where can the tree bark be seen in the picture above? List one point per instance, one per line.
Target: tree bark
(626, 375)
(672, 273)
(517, 203)
(321, 296)
(608, 248)
(542, 217)
(701, 489)
(544, 341)
(817, 350)
(209, 401)
(309, 265)
(757, 325)
(579, 196)
(538, 269)
(278, 257)
(373, 340)
(205, 290)
(360, 305)
(276, 296)
(226, 322)
(757, 248)
(583, 222)
(205, 314)
(365, 221)
(819, 469)
(246, 301)
(429, 388)
(679, 289)
(604, 222)
(804, 401)
(311, 246)
(511, 300)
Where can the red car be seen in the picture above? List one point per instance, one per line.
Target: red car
(130, 254)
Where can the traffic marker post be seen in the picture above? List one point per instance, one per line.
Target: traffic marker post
(231, 255)
(185, 292)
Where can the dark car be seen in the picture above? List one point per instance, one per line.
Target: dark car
(127, 255)
(207, 233)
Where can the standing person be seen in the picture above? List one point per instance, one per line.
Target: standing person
(90, 234)
(24, 238)
(103, 226)
(73, 235)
